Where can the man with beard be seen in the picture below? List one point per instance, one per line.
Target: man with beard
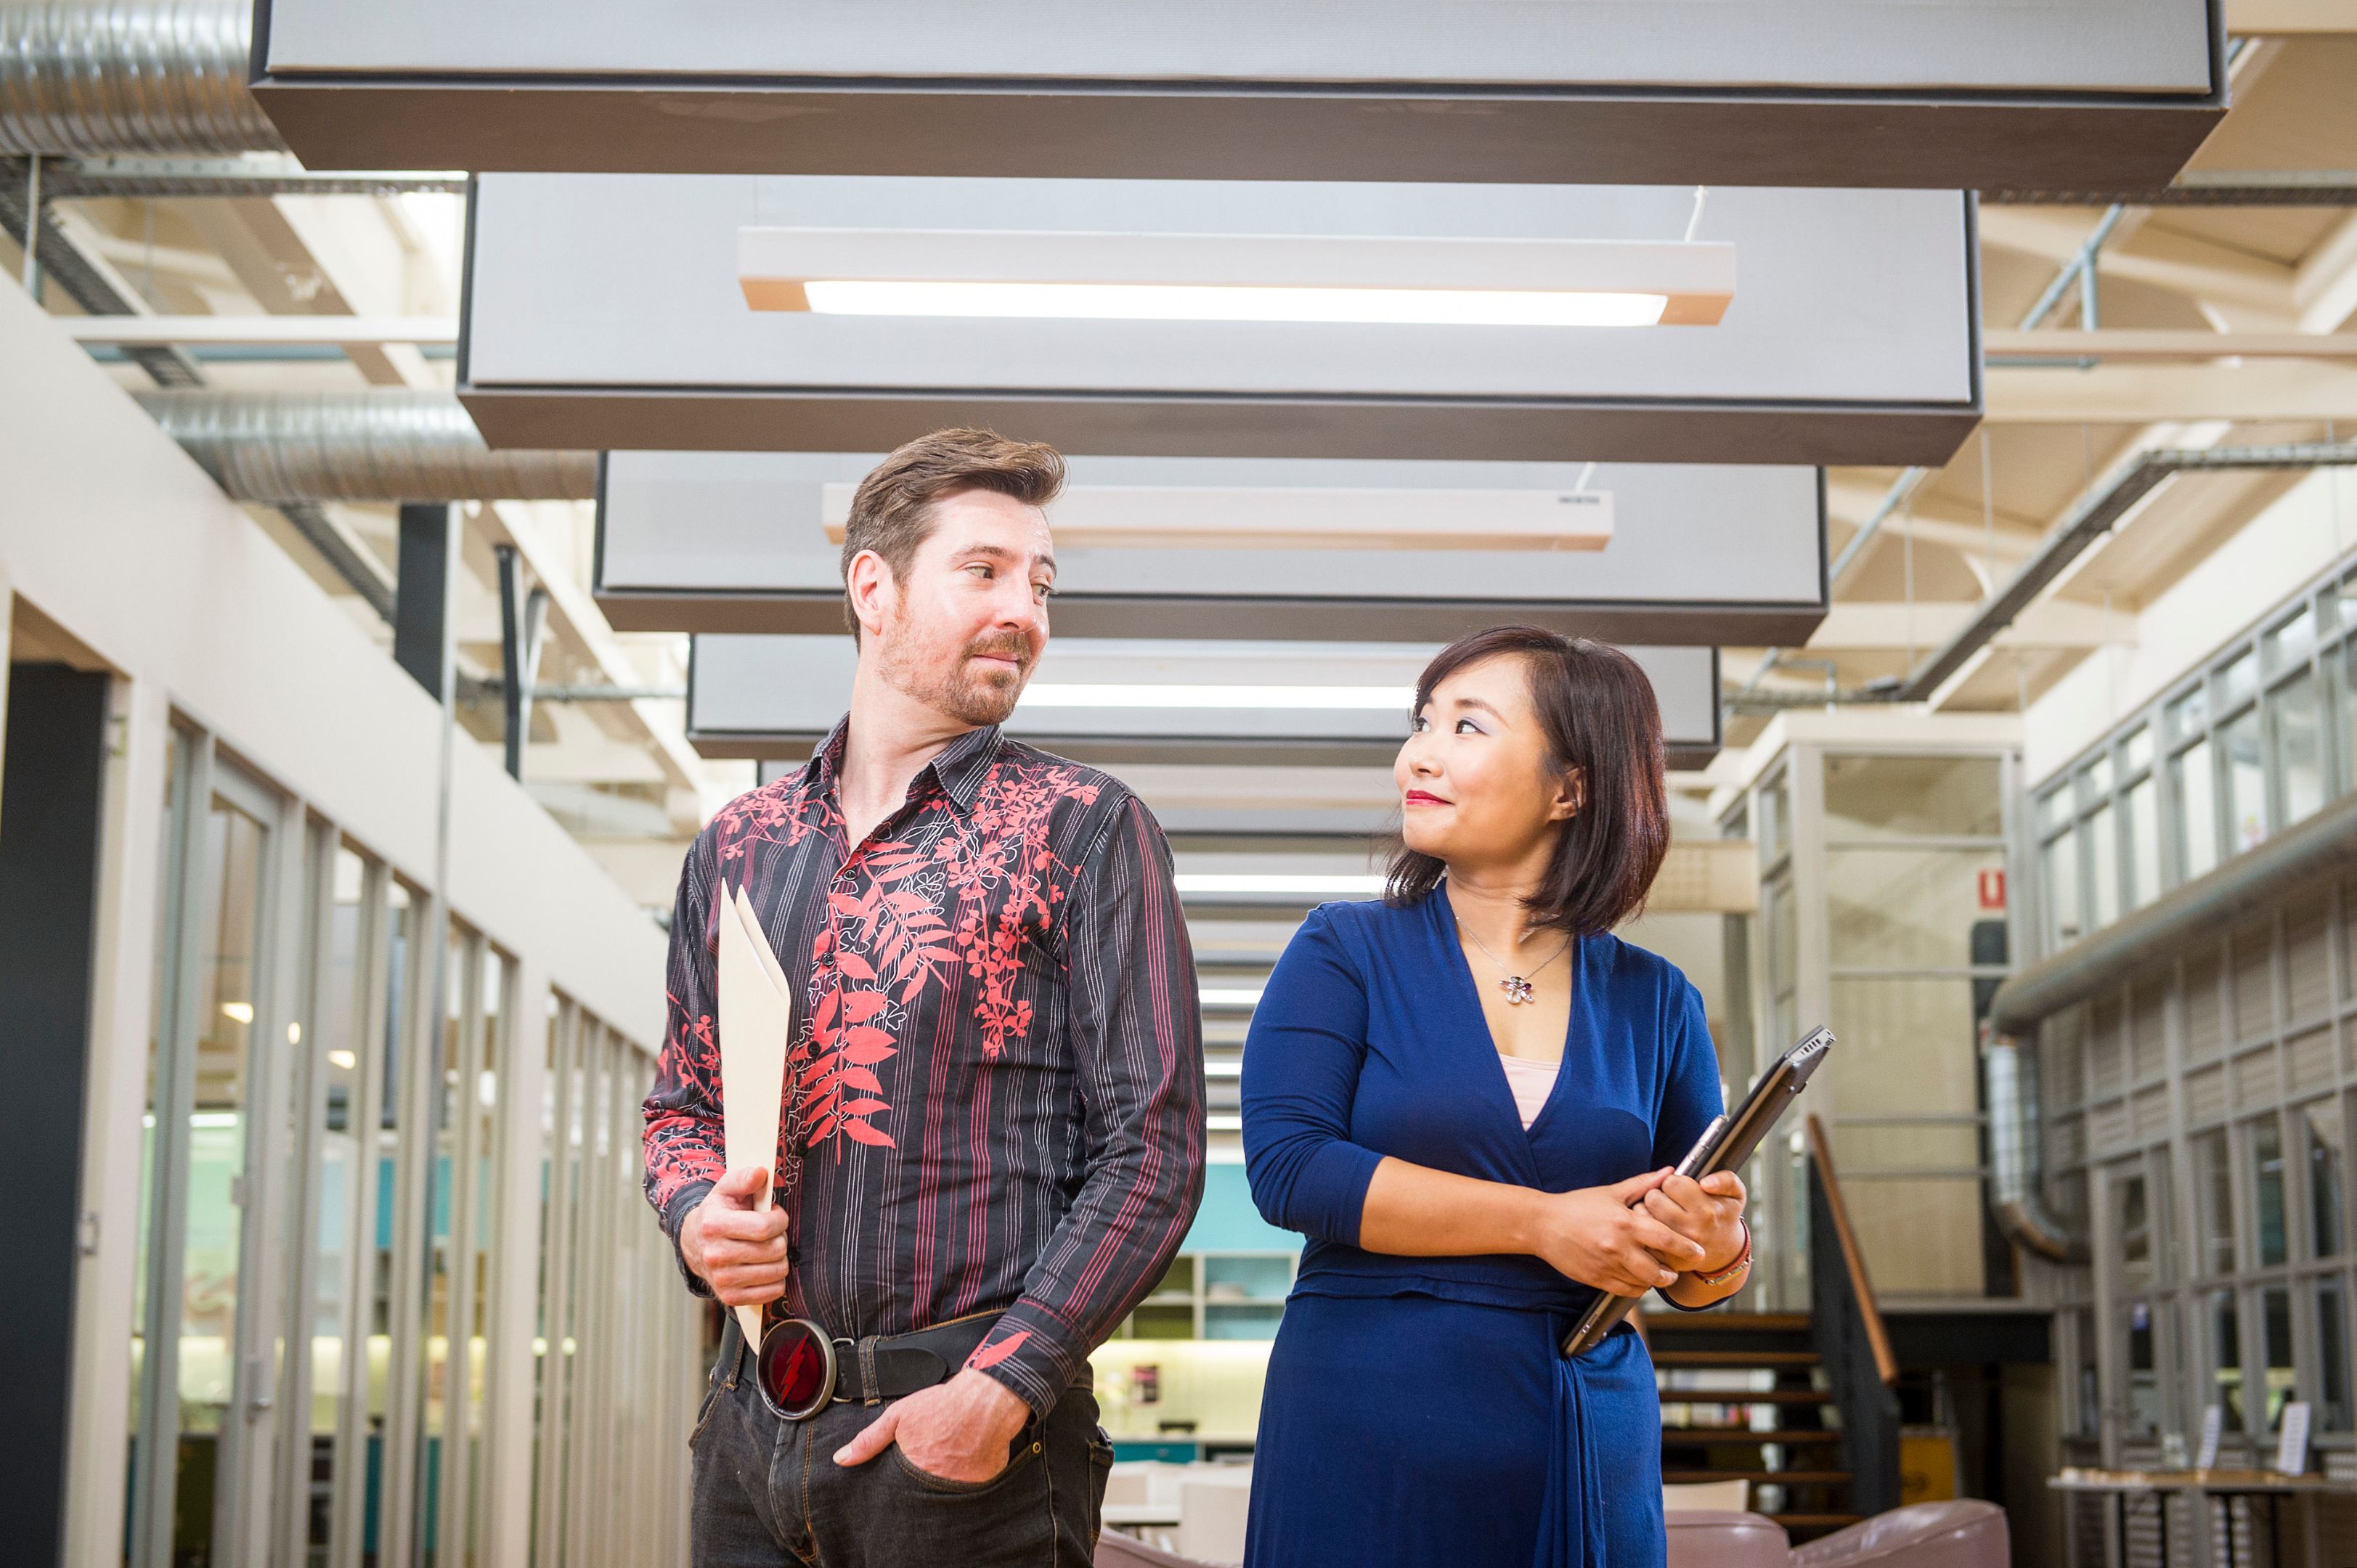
(992, 1126)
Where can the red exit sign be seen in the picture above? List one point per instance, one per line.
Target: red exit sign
(1992, 887)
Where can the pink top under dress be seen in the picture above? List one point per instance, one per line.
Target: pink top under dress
(1531, 1083)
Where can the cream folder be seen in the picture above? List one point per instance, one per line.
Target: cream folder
(755, 1016)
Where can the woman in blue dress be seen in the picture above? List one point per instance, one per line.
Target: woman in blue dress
(1468, 1097)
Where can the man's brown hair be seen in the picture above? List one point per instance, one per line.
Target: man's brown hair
(892, 513)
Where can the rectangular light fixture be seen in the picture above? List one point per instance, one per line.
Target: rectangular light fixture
(1373, 279)
(1305, 518)
(1050, 694)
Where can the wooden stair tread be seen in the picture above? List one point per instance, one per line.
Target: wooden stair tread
(1727, 1322)
(1701, 1434)
(1735, 1358)
(1745, 1396)
(1777, 1477)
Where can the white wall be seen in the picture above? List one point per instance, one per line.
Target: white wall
(115, 535)
(2284, 546)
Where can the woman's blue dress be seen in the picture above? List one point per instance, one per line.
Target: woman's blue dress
(1417, 1412)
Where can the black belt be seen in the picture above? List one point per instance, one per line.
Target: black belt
(870, 1370)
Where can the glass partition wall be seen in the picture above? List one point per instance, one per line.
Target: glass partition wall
(1883, 912)
(2203, 1104)
(358, 1171)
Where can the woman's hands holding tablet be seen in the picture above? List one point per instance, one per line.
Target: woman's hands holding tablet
(1708, 1212)
(1607, 1235)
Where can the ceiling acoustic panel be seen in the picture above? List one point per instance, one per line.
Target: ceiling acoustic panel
(1125, 702)
(1699, 554)
(2083, 95)
(1790, 326)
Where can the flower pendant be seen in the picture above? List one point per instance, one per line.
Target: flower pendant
(1517, 989)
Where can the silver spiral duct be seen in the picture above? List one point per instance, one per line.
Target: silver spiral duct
(159, 77)
(2010, 1077)
(272, 448)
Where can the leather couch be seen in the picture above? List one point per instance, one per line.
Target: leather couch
(1963, 1532)
(1725, 1538)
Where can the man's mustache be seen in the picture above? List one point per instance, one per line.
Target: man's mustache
(1007, 646)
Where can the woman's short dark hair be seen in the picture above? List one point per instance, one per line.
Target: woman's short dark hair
(1601, 720)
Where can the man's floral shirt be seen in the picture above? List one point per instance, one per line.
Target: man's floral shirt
(993, 1098)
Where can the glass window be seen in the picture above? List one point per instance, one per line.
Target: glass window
(2214, 1177)
(2290, 641)
(2095, 779)
(2341, 602)
(2144, 842)
(2274, 1324)
(332, 1041)
(1737, 823)
(1902, 907)
(1878, 797)
(2196, 810)
(2237, 682)
(197, 1156)
(2135, 1234)
(2054, 808)
(2144, 1368)
(2187, 716)
(2246, 783)
(2332, 1413)
(2136, 751)
(2327, 1160)
(2061, 876)
(2298, 722)
(2267, 1189)
(2226, 1356)
(2102, 869)
(2347, 685)
(1775, 818)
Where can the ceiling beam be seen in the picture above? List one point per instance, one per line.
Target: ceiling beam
(2178, 262)
(2139, 393)
(2119, 346)
(1863, 625)
(2278, 17)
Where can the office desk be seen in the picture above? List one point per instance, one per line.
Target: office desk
(2219, 1486)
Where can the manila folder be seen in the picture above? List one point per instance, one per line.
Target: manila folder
(756, 1015)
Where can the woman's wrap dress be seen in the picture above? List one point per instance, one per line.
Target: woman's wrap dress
(1416, 1409)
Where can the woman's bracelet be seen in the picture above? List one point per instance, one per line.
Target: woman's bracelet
(1742, 1259)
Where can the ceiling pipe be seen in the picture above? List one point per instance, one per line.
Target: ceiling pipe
(2320, 848)
(2095, 517)
(146, 76)
(272, 448)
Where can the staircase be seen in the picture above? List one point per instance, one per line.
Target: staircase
(1801, 1406)
(1743, 1397)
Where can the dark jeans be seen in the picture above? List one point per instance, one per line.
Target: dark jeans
(769, 1493)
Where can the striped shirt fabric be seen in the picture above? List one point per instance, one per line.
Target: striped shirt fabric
(994, 1083)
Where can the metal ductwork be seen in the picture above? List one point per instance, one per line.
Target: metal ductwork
(2323, 846)
(2009, 1077)
(146, 76)
(272, 448)
(2096, 517)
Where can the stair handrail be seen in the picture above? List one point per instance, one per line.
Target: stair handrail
(1861, 1288)
(1852, 1345)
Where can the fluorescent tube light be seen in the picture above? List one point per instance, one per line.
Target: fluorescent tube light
(1366, 279)
(1220, 302)
(1229, 996)
(1050, 695)
(241, 1010)
(1304, 517)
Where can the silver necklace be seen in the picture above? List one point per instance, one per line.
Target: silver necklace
(1517, 987)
